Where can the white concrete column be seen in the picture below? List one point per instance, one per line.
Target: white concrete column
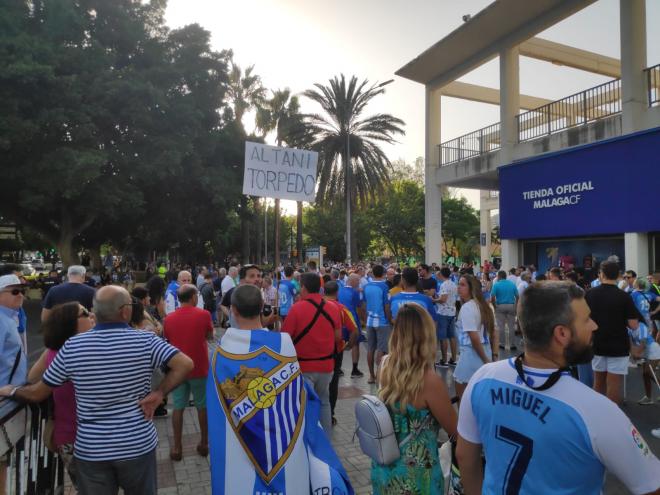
(432, 192)
(485, 225)
(633, 62)
(510, 254)
(509, 101)
(636, 247)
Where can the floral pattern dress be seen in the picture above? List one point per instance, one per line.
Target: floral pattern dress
(417, 471)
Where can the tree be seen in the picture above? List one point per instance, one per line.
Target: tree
(343, 131)
(281, 113)
(397, 217)
(460, 226)
(245, 92)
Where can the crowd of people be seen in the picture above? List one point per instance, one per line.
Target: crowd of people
(116, 351)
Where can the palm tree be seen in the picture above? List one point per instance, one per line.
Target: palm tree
(281, 113)
(245, 92)
(352, 165)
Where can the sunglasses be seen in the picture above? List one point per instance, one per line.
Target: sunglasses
(15, 292)
(83, 313)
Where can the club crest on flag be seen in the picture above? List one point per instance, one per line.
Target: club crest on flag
(263, 398)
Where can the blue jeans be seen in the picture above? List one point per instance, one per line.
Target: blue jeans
(445, 327)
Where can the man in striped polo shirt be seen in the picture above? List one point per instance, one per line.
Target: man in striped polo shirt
(110, 367)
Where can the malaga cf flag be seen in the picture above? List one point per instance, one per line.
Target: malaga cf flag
(264, 429)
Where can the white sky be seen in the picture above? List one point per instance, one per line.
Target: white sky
(296, 43)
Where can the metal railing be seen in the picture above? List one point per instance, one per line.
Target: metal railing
(581, 108)
(473, 144)
(653, 84)
(31, 468)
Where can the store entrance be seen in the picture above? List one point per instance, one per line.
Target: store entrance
(585, 253)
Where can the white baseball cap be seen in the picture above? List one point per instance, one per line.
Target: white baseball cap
(10, 281)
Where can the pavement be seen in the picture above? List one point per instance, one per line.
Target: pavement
(191, 476)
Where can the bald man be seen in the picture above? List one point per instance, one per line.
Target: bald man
(111, 367)
(171, 299)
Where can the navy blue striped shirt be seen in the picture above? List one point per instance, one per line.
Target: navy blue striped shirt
(110, 367)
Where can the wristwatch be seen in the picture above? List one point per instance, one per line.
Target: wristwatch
(13, 391)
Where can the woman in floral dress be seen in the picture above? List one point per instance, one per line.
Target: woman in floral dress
(419, 405)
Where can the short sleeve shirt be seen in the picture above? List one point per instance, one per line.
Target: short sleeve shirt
(111, 368)
(469, 320)
(187, 329)
(287, 293)
(611, 308)
(68, 292)
(528, 435)
(422, 300)
(505, 292)
(377, 299)
(448, 308)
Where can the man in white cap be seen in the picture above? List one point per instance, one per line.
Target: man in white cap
(13, 363)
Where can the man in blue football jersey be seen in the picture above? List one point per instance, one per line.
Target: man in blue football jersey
(543, 431)
(409, 294)
(286, 292)
(349, 296)
(378, 319)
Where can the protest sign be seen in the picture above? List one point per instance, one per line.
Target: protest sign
(276, 172)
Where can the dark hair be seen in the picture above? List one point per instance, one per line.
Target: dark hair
(242, 273)
(445, 272)
(378, 271)
(311, 265)
(139, 293)
(396, 280)
(186, 292)
(156, 287)
(410, 276)
(247, 300)
(556, 271)
(541, 277)
(543, 306)
(137, 315)
(331, 288)
(572, 276)
(424, 266)
(288, 271)
(311, 282)
(61, 325)
(632, 273)
(512, 271)
(610, 269)
(501, 275)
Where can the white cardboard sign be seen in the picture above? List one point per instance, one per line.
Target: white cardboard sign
(275, 172)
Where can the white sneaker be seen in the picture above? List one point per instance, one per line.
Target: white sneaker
(645, 401)
(656, 432)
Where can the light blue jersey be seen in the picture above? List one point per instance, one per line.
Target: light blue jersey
(560, 440)
(376, 297)
(402, 298)
(286, 294)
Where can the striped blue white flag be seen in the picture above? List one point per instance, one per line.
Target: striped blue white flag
(264, 430)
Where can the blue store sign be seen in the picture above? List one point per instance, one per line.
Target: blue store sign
(609, 187)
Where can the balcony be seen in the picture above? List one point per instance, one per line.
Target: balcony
(653, 84)
(594, 104)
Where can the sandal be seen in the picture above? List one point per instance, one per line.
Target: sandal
(203, 450)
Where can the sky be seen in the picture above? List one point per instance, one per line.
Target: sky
(297, 43)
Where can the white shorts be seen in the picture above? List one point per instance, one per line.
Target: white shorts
(614, 365)
(652, 352)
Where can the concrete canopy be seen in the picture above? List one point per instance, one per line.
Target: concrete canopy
(504, 23)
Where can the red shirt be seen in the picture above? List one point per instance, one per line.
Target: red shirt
(187, 329)
(320, 340)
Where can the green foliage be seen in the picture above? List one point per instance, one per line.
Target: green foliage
(460, 227)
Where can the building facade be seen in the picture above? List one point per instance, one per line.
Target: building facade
(573, 179)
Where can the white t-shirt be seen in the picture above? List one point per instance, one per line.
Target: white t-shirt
(448, 308)
(521, 287)
(560, 440)
(513, 279)
(227, 283)
(469, 320)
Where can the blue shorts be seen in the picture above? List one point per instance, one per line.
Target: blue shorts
(445, 328)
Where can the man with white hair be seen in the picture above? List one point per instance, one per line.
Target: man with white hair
(171, 299)
(229, 282)
(74, 289)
